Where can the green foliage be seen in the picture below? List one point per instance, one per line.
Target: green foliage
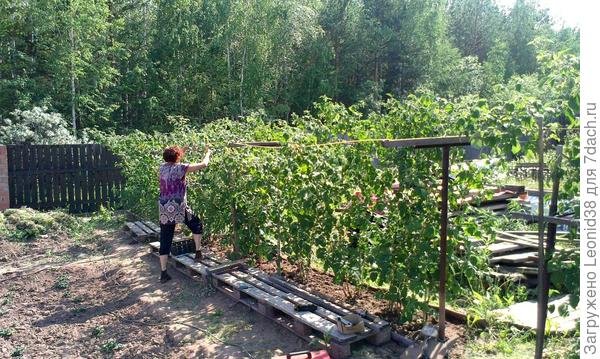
(18, 352)
(62, 282)
(6, 333)
(121, 65)
(27, 224)
(110, 346)
(35, 126)
(98, 331)
(301, 198)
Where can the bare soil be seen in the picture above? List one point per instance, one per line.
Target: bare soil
(112, 305)
(100, 297)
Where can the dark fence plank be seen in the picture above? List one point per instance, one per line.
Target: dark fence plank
(55, 150)
(29, 191)
(63, 182)
(78, 177)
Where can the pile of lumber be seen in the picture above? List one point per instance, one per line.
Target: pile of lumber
(303, 313)
(501, 197)
(514, 255)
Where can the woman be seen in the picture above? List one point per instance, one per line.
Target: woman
(172, 203)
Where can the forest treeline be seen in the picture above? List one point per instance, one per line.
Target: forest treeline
(125, 64)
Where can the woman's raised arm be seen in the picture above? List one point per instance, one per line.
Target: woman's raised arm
(193, 167)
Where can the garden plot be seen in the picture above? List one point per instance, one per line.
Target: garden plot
(279, 302)
(90, 292)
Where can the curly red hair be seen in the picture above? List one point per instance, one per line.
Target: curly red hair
(173, 154)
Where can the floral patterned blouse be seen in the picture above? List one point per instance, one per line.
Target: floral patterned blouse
(172, 203)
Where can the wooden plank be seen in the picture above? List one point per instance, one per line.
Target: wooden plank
(298, 301)
(98, 178)
(324, 313)
(154, 245)
(12, 178)
(92, 178)
(62, 176)
(427, 142)
(50, 178)
(534, 233)
(135, 229)
(69, 177)
(28, 179)
(377, 324)
(504, 247)
(85, 184)
(103, 179)
(146, 228)
(516, 258)
(39, 196)
(192, 264)
(494, 207)
(54, 178)
(255, 144)
(226, 267)
(45, 178)
(106, 185)
(143, 228)
(548, 219)
(72, 156)
(207, 260)
(21, 180)
(110, 186)
(511, 269)
(152, 226)
(512, 238)
(310, 319)
(82, 179)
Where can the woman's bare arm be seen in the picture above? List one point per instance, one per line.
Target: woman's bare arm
(198, 166)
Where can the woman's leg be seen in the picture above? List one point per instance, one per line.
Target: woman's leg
(195, 225)
(166, 240)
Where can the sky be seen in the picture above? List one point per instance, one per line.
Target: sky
(564, 12)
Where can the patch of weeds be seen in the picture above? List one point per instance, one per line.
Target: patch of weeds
(78, 310)
(110, 346)
(3, 229)
(215, 317)
(6, 300)
(505, 341)
(62, 282)
(222, 331)
(78, 299)
(18, 352)
(480, 306)
(106, 218)
(26, 224)
(98, 331)
(6, 333)
(563, 346)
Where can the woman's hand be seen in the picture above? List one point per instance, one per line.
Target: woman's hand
(198, 166)
(207, 156)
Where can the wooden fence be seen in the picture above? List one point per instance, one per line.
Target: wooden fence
(77, 177)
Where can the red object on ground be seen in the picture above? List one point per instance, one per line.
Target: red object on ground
(321, 354)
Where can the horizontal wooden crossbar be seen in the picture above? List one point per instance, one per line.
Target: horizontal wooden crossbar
(422, 142)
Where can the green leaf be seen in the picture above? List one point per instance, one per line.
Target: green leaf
(516, 148)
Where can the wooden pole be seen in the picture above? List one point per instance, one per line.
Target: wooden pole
(443, 242)
(541, 309)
